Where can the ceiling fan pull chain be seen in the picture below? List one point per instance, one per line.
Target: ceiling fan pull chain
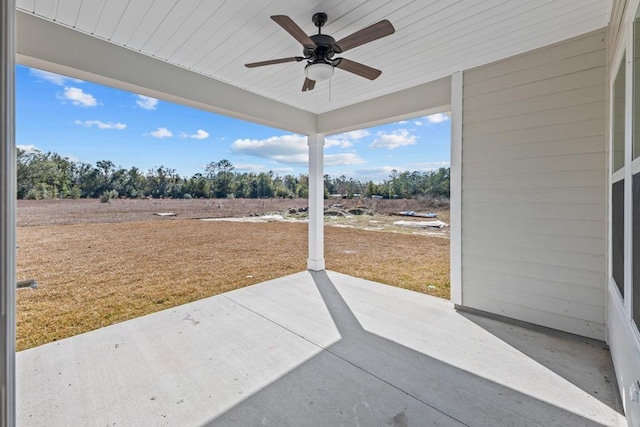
(329, 90)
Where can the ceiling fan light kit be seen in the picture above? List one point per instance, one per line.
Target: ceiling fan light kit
(319, 49)
(319, 71)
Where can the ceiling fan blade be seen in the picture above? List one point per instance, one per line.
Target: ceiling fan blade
(292, 28)
(365, 35)
(357, 68)
(274, 61)
(308, 85)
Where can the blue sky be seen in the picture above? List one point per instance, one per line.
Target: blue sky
(88, 122)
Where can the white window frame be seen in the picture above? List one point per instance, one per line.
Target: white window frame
(625, 48)
(632, 166)
(618, 175)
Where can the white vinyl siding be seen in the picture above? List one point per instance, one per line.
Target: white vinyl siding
(534, 186)
(618, 9)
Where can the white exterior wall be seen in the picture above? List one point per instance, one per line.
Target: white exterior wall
(534, 186)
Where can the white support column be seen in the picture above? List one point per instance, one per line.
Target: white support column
(456, 189)
(7, 214)
(315, 262)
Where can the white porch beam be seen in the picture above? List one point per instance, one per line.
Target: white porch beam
(7, 214)
(315, 262)
(52, 47)
(455, 198)
(422, 100)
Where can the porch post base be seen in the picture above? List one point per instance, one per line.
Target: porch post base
(315, 264)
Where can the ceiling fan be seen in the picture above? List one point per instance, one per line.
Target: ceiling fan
(319, 49)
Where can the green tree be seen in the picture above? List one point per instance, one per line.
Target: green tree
(302, 189)
(135, 183)
(224, 181)
(87, 178)
(105, 169)
(161, 182)
(43, 175)
(198, 186)
(46, 175)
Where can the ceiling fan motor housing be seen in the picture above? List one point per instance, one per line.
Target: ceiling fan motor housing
(324, 50)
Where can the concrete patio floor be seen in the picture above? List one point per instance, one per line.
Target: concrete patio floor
(318, 349)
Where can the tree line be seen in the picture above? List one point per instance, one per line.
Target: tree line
(48, 175)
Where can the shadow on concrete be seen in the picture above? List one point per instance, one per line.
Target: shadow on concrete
(364, 379)
(561, 352)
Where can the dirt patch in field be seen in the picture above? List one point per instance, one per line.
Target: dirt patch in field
(83, 211)
(92, 275)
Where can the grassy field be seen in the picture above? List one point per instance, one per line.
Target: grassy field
(95, 273)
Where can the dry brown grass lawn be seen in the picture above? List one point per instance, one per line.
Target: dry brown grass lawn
(94, 275)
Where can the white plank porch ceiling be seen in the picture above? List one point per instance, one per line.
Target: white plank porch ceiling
(433, 38)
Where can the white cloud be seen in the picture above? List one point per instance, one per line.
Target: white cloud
(146, 102)
(342, 159)
(428, 166)
(432, 119)
(78, 97)
(438, 118)
(378, 174)
(293, 159)
(337, 142)
(161, 133)
(392, 140)
(248, 167)
(289, 149)
(30, 148)
(386, 170)
(354, 134)
(52, 77)
(344, 140)
(100, 125)
(200, 134)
